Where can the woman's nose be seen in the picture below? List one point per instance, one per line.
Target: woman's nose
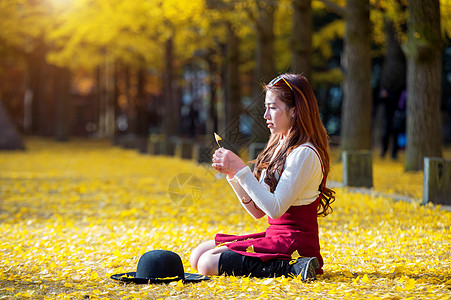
(266, 114)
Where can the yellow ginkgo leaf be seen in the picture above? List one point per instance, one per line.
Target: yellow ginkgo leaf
(94, 276)
(365, 279)
(250, 249)
(26, 294)
(398, 270)
(348, 274)
(217, 138)
(295, 255)
(54, 235)
(410, 284)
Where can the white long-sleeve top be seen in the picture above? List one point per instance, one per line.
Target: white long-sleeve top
(298, 185)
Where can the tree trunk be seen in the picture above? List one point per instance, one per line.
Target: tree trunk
(38, 83)
(106, 101)
(264, 66)
(62, 103)
(232, 87)
(212, 119)
(301, 39)
(9, 138)
(171, 118)
(116, 94)
(130, 110)
(423, 53)
(357, 102)
(142, 127)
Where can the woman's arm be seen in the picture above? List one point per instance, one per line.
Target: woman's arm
(245, 200)
(227, 162)
(302, 165)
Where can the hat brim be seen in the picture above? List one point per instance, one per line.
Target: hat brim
(130, 277)
(190, 277)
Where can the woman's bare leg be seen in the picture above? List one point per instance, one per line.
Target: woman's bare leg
(208, 262)
(198, 251)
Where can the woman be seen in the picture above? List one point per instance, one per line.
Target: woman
(288, 185)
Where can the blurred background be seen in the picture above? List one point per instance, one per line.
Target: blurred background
(138, 70)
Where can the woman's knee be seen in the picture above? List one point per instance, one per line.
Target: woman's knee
(198, 251)
(208, 263)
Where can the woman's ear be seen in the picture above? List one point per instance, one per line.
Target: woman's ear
(293, 112)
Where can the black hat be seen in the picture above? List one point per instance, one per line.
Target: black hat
(158, 266)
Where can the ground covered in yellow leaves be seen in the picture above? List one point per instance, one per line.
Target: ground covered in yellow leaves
(73, 214)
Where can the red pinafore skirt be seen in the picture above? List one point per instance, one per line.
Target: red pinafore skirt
(296, 229)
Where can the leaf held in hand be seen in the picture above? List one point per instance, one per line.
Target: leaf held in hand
(217, 138)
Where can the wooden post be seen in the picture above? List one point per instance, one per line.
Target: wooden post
(184, 149)
(161, 145)
(168, 147)
(154, 144)
(357, 168)
(141, 144)
(437, 181)
(203, 153)
(127, 141)
(150, 146)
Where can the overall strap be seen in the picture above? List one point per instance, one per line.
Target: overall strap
(322, 168)
(317, 154)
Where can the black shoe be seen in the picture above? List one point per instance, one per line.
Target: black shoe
(306, 267)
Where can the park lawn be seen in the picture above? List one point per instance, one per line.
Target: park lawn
(73, 214)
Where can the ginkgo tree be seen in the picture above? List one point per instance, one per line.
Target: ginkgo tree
(140, 39)
(22, 29)
(135, 33)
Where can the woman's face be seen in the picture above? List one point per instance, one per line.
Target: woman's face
(277, 114)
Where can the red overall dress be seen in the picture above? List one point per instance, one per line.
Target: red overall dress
(296, 229)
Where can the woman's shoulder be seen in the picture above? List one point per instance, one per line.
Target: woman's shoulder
(303, 152)
(306, 148)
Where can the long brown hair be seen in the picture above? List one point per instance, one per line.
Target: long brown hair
(295, 91)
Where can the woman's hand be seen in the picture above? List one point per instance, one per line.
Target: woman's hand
(227, 162)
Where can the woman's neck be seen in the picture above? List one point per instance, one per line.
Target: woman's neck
(284, 136)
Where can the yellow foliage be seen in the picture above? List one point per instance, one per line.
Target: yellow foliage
(445, 13)
(295, 255)
(333, 30)
(73, 214)
(86, 33)
(330, 76)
